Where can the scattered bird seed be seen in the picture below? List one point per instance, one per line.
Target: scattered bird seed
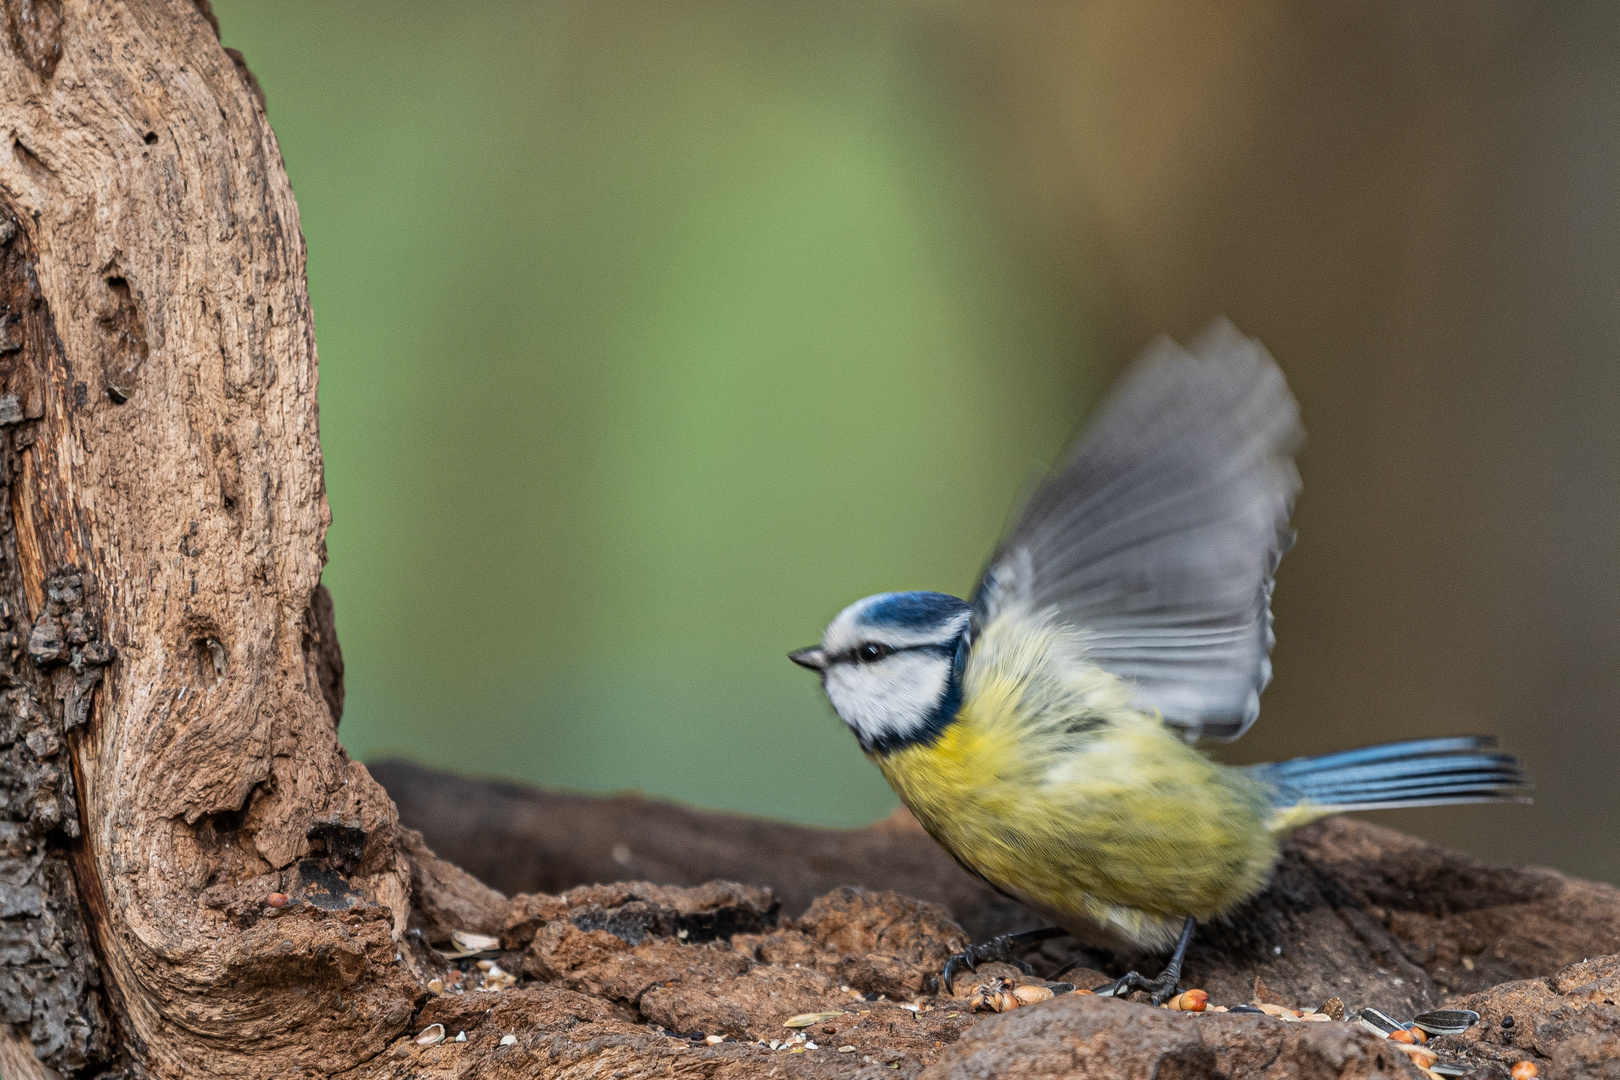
(461, 1036)
(1189, 1001)
(495, 978)
(715, 1040)
(1031, 995)
(995, 996)
(431, 1035)
(435, 986)
(1525, 1070)
(1246, 1009)
(1378, 1023)
(508, 1040)
(468, 944)
(846, 1049)
(804, 1020)
(1421, 1056)
(1450, 1068)
(276, 899)
(811, 1046)
(1447, 1021)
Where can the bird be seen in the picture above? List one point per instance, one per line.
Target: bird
(1045, 731)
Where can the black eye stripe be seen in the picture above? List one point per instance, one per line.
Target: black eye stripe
(870, 652)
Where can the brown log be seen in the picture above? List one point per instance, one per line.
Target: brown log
(522, 839)
(169, 747)
(1352, 909)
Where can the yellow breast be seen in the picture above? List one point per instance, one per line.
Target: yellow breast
(1050, 786)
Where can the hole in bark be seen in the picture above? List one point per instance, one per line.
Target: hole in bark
(211, 660)
(222, 824)
(30, 161)
(150, 138)
(228, 469)
(340, 843)
(126, 327)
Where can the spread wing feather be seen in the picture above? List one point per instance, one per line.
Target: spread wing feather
(1159, 532)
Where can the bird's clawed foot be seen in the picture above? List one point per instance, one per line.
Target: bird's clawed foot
(1158, 990)
(996, 949)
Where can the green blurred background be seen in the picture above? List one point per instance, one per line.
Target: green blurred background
(649, 339)
(653, 334)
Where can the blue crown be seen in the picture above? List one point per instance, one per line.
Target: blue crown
(913, 610)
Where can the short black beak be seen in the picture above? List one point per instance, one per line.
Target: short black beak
(814, 658)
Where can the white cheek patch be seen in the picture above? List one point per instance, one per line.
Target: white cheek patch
(892, 698)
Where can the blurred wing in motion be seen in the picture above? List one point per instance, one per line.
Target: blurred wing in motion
(1159, 532)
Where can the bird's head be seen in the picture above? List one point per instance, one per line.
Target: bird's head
(889, 664)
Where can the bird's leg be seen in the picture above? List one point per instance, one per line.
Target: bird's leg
(997, 948)
(1160, 988)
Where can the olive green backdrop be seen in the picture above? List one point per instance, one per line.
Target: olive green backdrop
(647, 343)
(651, 334)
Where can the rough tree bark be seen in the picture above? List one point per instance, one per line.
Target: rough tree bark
(168, 723)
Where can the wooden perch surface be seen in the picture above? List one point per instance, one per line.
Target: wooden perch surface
(858, 923)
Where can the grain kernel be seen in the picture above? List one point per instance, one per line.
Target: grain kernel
(1421, 1056)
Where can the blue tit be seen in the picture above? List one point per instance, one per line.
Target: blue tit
(1043, 732)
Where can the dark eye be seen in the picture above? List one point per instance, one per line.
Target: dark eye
(871, 652)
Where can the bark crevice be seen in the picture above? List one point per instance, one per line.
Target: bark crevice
(50, 975)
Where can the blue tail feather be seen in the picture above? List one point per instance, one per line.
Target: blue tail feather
(1381, 752)
(1415, 773)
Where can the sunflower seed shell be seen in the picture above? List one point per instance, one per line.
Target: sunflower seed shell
(1447, 1021)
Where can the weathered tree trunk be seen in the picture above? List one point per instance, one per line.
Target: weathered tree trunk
(168, 753)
